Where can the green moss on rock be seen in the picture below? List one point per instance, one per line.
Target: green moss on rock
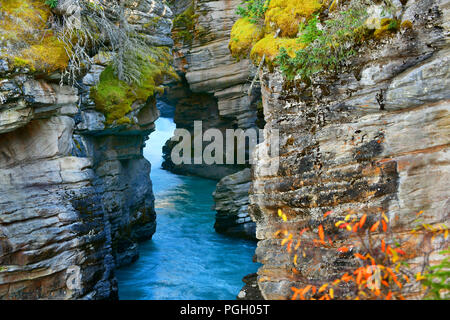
(286, 15)
(27, 38)
(184, 26)
(115, 98)
(388, 27)
(270, 47)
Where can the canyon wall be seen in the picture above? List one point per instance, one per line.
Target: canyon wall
(214, 90)
(373, 138)
(75, 193)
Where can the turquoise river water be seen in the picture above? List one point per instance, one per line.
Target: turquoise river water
(186, 259)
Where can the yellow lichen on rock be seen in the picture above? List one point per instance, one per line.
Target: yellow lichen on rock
(244, 35)
(388, 27)
(26, 37)
(406, 24)
(270, 47)
(286, 15)
(48, 55)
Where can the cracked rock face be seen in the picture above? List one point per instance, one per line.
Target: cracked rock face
(75, 196)
(54, 235)
(375, 138)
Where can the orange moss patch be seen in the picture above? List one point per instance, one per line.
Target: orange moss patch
(28, 39)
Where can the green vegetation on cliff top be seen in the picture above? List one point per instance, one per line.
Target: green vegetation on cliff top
(304, 36)
(115, 98)
(136, 71)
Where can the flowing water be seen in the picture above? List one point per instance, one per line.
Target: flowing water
(186, 259)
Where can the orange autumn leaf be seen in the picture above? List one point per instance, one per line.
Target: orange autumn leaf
(360, 256)
(323, 287)
(359, 277)
(343, 249)
(397, 283)
(296, 292)
(321, 234)
(383, 245)
(355, 228)
(326, 214)
(384, 225)
(389, 295)
(362, 221)
(389, 250)
(288, 247)
(375, 226)
(306, 289)
(337, 224)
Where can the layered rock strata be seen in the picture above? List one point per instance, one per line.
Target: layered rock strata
(75, 195)
(374, 138)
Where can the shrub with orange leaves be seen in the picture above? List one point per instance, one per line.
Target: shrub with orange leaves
(373, 262)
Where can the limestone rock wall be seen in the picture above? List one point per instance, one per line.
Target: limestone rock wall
(374, 138)
(75, 196)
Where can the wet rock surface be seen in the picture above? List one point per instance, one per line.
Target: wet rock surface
(251, 290)
(231, 204)
(214, 87)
